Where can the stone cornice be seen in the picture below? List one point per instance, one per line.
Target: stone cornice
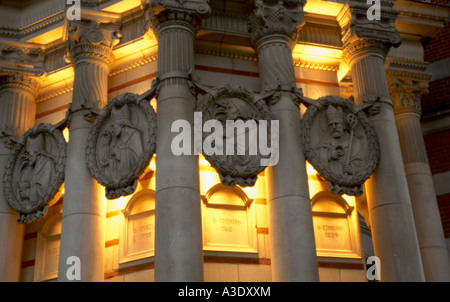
(21, 58)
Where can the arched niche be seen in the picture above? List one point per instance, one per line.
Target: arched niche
(336, 227)
(137, 236)
(47, 249)
(228, 219)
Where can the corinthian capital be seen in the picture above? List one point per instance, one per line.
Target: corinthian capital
(275, 17)
(165, 13)
(406, 95)
(360, 30)
(92, 39)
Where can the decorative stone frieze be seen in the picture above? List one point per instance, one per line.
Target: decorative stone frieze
(234, 159)
(121, 143)
(340, 143)
(35, 171)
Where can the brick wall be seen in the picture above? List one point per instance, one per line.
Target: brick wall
(438, 149)
(444, 208)
(439, 47)
(438, 101)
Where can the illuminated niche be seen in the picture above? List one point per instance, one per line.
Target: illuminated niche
(228, 220)
(47, 249)
(336, 227)
(137, 224)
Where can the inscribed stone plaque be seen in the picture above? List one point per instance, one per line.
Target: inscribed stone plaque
(335, 227)
(47, 250)
(228, 220)
(138, 227)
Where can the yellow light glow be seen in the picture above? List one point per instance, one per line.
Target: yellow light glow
(122, 6)
(48, 37)
(317, 52)
(310, 170)
(66, 134)
(153, 163)
(203, 162)
(323, 7)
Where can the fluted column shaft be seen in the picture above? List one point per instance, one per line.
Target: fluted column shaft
(292, 243)
(433, 248)
(84, 206)
(178, 231)
(393, 230)
(17, 111)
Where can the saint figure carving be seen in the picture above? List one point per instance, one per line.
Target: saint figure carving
(36, 173)
(340, 150)
(122, 148)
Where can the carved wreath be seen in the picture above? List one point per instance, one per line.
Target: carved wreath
(215, 105)
(35, 172)
(340, 143)
(122, 143)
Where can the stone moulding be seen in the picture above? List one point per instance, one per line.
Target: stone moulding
(122, 143)
(231, 102)
(355, 145)
(34, 174)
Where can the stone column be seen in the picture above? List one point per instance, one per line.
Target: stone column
(178, 229)
(17, 112)
(406, 94)
(90, 45)
(366, 45)
(292, 243)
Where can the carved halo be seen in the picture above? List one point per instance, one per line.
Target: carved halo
(234, 169)
(358, 149)
(34, 182)
(122, 143)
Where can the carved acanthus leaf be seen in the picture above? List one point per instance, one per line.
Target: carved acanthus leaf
(92, 39)
(275, 18)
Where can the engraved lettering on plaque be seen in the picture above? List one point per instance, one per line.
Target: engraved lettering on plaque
(335, 227)
(228, 220)
(47, 250)
(138, 227)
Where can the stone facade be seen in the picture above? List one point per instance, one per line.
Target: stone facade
(95, 100)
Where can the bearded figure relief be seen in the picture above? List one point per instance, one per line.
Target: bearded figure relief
(239, 113)
(122, 143)
(340, 144)
(35, 172)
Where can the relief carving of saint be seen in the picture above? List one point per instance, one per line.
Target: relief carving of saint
(237, 155)
(338, 149)
(35, 172)
(340, 143)
(122, 143)
(122, 146)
